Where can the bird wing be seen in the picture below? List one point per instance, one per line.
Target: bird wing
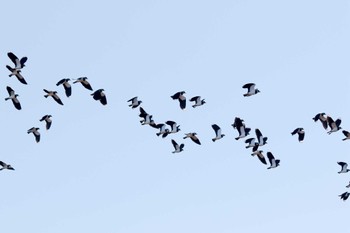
(21, 78)
(175, 96)
(60, 82)
(343, 165)
(57, 99)
(86, 84)
(174, 144)
(295, 131)
(10, 90)
(3, 164)
(182, 103)
(271, 158)
(9, 68)
(261, 158)
(338, 122)
(194, 98)
(132, 99)
(16, 103)
(249, 85)
(48, 124)
(346, 133)
(14, 59)
(301, 136)
(103, 99)
(195, 139)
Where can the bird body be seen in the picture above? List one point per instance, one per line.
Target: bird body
(273, 162)
(16, 73)
(84, 82)
(13, 97)
(35, 132)
(300, 132)
(198, 101)
(134, 102)
(218, 134)
(67, 87)
(334, 125)
(19, 63)
(178, 148)
(182, 99)
(54, 95)
(344, 167)
(100, 95)
(251, 89)
(193, 137)
(47, 119)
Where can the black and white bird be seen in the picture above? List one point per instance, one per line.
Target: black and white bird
(16, 73)
(178, 148)
(240, 126)
(344, 196)
(344, 167)
(261, 140)
(147, 118)
(5, 166)
(174, 127)
(182, 99)
(134, 102)
(66, 85)
(300, 132)
(218, 133)
(47, 119)
(84, 82)
(260, 156)
(273, 162)
(100, 95)
(193, 137)
(35, 132)
(19, 63)
(198, 101)
(251, 89)
(334, 125)
(346, 134)
(54, 95)
(252, 143)
(13, 97)
(323, 119)
(162, 130)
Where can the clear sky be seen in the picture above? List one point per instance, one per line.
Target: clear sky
(98, 170)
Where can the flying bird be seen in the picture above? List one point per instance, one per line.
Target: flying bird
(47, 119)
(273, 162)
(347, 135)
(334, 125)
(5, 166)
(134, 102)
(162, 130)
(13, 97)
(193, 137)
(251, 89)
(260, 156)
(174, 127)
(147, 118)
(344, 196)
(240, 126)
(16, 73)
(252, 143)
(54, 95)
(218, 133)
(262, 140)
(19, 63)
(178, 148)
(84, 82)
(300, 132)
(100, 95)
(323, 119)
(198, 101)
(35, 132)
(66, 85)
(182, 99)
(344, 167)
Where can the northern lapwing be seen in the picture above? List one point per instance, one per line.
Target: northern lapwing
(240, 126)
(346, 134)
(334, 125)
(198, 101)
(100, 95)
(54, 95)
(174, 127)
(134, 102)
(193, 137)
(182, 99)
(13, 97)
(273, 162)
(261, 140)
(84, 82)
(218, 134)
(178, 148)
(35, 132)
(260, 156)
(16, 73)
(300, 132)
(66, 85)
(251, 89)
(344, 196)
(19, 63)
(147, 118)
(344, 167)
(323, 119)
(162, 129)
(252, 144)
(5, 166)
(47, 119)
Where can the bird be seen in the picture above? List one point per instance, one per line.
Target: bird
(348, 186)
(84, 82)
(147, 118)
(100, 95)
(240, 126)
(178, 148)
(16, 73)
(193, 137)
(218, 133)
(300, 132)
(66, 85)
(273, 162)
(19, 63)
(334, 125)
(251, 89)
(47, 119)
(344, 196)
(260, 156)
(13, 97)
(323, 119)
(54, 95)
(134, 102)
(35, 132)
(162, 130)
(182, 99)
(347, 135)
(252, 143)
(262, 140)
(198, 101)
(344, 167)
(6, 166)
(174, 127)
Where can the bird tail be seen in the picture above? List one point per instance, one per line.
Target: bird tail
(213, 139)
(46, 96)
(237, 138)
(7, 98)
(158, 134)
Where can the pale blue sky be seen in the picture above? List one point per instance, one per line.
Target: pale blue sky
(98, 170)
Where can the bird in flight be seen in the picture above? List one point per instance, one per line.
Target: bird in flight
(19, 63)
(182, 99)
(344, 167)
(47, 119)
(134, 102)
(84, 82)
(273, 162)
(35, 132)
(218, 134)
(16, 73)
(178, 148)
(193, 137)
(5, 166)
(54, 95)
(198, 101)
(13, 97)
(300, 132)
(66, 85)
(251, 90)
(100, 95)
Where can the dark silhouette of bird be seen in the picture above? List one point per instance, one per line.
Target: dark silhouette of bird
(344, 196)
(5, 166)
(182, 99)
(344, 167)
(273, 162)
(251, 89)
(218, 134)
(47, 119)
(19, 63)
(198, 101)
(66, 85)
(84, 82)
(16, 73)
(300, 132)
(193, 137)
(100, 95)
(323, 119)
(13, 97)
(334, 125)
(178, 148)
(260, 156)
(134, 102)
(35, 132)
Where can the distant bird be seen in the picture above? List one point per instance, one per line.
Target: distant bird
(218, 133)
(5, 166)
(162, 129)
(348, 186)
(344, 167)
(251, 89)
(262, 140)
(19, 63)
(100, 95)
(273, 162)
(193, 137)
(182, 99)
(35, 132)
(260, 156)
(198, 101)
(344, 196)
(47, 119)
(66, 85)
(54, 95)
(240, 126)
(174, 127)
(147, 118)
(323, 119)
(300, 132)
(178, 148)
(16, 73)
(84, 82)
(347, 135)
(252, 143)
(134, 102)
(13, 97)
(334, 125)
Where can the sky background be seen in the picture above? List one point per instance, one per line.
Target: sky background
(98, 170)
